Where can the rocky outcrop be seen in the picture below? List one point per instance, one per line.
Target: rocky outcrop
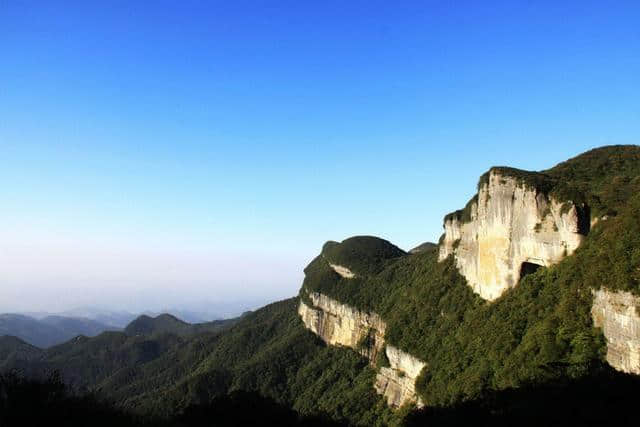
(342, 271)
(617, 314)
(507, 230)
(397, 382)
(339, 324)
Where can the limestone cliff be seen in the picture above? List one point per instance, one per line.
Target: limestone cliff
(507, 230)
(617, 314)
(340, 324)
(397, 382)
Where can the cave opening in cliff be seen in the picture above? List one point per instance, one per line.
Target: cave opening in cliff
(528, 268)
(584, 219)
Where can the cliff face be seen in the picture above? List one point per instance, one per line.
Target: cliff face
(397, 382)
(616, 313)
(507, 231)
(340, 324)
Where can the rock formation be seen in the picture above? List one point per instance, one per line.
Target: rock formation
(617, 314)
(397, 382)
(342, 271)
(340, 324)
(507, 230)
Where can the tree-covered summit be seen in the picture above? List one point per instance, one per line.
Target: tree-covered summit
(363, 255)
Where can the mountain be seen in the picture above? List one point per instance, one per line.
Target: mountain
(169, 324)
(524, 313)
(117, 319)
(164, 323)
(266, 351)
(12, 348)
(73, 326)
(426, 246)
(50, 330)
(535, 280)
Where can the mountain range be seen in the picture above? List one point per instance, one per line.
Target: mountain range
(49, 330)
(524, 313)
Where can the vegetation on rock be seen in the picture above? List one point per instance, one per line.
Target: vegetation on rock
(268, 352)
(602, 179)
(496, 362)
(364, 255)
(538, 332)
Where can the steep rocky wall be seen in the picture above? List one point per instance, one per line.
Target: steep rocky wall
(510, 228)
(397, 383)
(616, 313)
(340, 324)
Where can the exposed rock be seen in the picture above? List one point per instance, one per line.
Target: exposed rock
(342, 271)
(508, 230)
(616, 313)
(340, 324)
(397, 383)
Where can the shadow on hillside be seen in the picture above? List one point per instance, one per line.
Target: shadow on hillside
(605, 398)
(35, 403)
(243, 408)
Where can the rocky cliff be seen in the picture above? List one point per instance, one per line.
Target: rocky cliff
(517, 222)
(397, 382)
(617, 314)
(509, 229)
(340, 324)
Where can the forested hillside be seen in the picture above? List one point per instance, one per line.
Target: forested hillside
(531, 356)
(267, 351)
(538, 332)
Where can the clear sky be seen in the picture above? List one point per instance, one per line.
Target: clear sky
(170, 153)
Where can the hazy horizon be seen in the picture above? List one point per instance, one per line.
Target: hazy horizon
(189, 153)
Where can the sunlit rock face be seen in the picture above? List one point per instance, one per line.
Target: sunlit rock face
(617, 314)
(340, 324)
(509, 230)
(397, 383)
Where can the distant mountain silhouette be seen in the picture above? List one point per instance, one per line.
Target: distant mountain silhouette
(50, 330)
(167, 323)
(146, 325)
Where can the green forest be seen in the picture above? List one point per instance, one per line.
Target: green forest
(500, 362)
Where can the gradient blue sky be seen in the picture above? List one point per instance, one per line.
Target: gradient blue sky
(171, 153)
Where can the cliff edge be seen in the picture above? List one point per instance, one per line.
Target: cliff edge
(509, 229)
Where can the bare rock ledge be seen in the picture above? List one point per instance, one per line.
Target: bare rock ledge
(339, 324)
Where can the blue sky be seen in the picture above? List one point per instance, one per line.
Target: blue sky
(174, 152)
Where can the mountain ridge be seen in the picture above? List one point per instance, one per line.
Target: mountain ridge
(50, 330)
(545, 331)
